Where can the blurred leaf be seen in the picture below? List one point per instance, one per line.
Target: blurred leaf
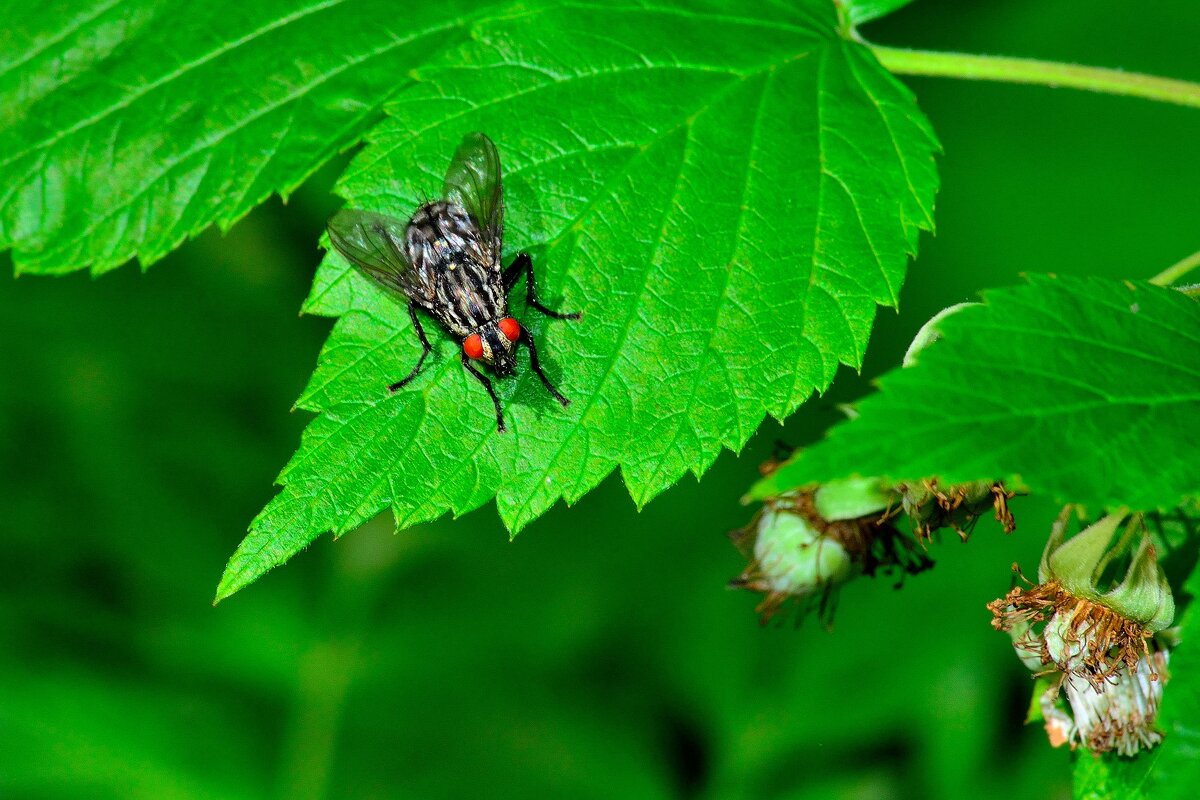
(1083, 389)
(131, 125)
(860, 11)
(70, 734)
(725, 198)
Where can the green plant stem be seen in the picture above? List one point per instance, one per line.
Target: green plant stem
(969, 66)
(1046, 73)
(1177, 270)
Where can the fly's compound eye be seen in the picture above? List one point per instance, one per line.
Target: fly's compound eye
(510, 328)
(473, 346)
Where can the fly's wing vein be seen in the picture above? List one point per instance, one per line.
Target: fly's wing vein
(374, 244)
(473, 182)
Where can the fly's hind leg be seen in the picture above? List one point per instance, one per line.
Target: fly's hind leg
(523, 263)
(487, 384)
(412, 314)
(527, 340)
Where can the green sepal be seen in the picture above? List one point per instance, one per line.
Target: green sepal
(1075, 563)
(852, 498)
(1144, 596)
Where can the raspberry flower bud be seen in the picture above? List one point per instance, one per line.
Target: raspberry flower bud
(806, 544)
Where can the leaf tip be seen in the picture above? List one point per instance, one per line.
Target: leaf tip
(228, 586)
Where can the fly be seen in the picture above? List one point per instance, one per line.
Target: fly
(445, 261)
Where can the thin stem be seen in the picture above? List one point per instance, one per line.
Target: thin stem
(1177, 270)
(1046, 73)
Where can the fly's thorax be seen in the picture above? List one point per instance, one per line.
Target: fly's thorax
(442, 236)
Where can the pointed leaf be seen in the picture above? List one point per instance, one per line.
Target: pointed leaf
(1085, 390)
(725, 198)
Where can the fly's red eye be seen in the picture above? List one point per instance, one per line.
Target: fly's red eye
(473, 346)
(510, 328)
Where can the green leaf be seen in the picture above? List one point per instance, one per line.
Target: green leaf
(1113, 777)
(1085, 390)
(1176, 772)
(130, 125)
(725, 198)
(860, 11)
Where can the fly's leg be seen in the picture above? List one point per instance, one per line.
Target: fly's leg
(523, 263)
(527, 340)
(412, 314)
(487, 384)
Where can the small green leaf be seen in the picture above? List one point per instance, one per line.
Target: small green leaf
(131, 125)
(860, 11)
(1086, 390)
(725, 198)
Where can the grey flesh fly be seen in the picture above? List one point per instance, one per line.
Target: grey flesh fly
(445, 261)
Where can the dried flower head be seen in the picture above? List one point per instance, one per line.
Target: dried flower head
(1122, 715)
(929, 507)
(1096, 643)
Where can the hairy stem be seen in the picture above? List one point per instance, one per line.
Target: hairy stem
(1046, 73)
(1177, 270)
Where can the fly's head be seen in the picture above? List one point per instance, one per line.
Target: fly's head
(495, 344)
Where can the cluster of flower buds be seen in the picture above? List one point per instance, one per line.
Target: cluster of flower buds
(1093, 641)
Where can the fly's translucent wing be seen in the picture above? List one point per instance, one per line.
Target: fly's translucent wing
(375, 244)
(473, 182)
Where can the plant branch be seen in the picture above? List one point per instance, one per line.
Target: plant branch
(1177, 270)
(1046, 73)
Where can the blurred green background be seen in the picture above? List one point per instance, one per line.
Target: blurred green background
(144, 417)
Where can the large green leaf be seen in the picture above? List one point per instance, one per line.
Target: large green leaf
(1086, 390)
(128, 125)
(726, 198)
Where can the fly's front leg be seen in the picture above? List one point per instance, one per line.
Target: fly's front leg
(527, 340)
(412, 314)
(487, 384)
(523, 263)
